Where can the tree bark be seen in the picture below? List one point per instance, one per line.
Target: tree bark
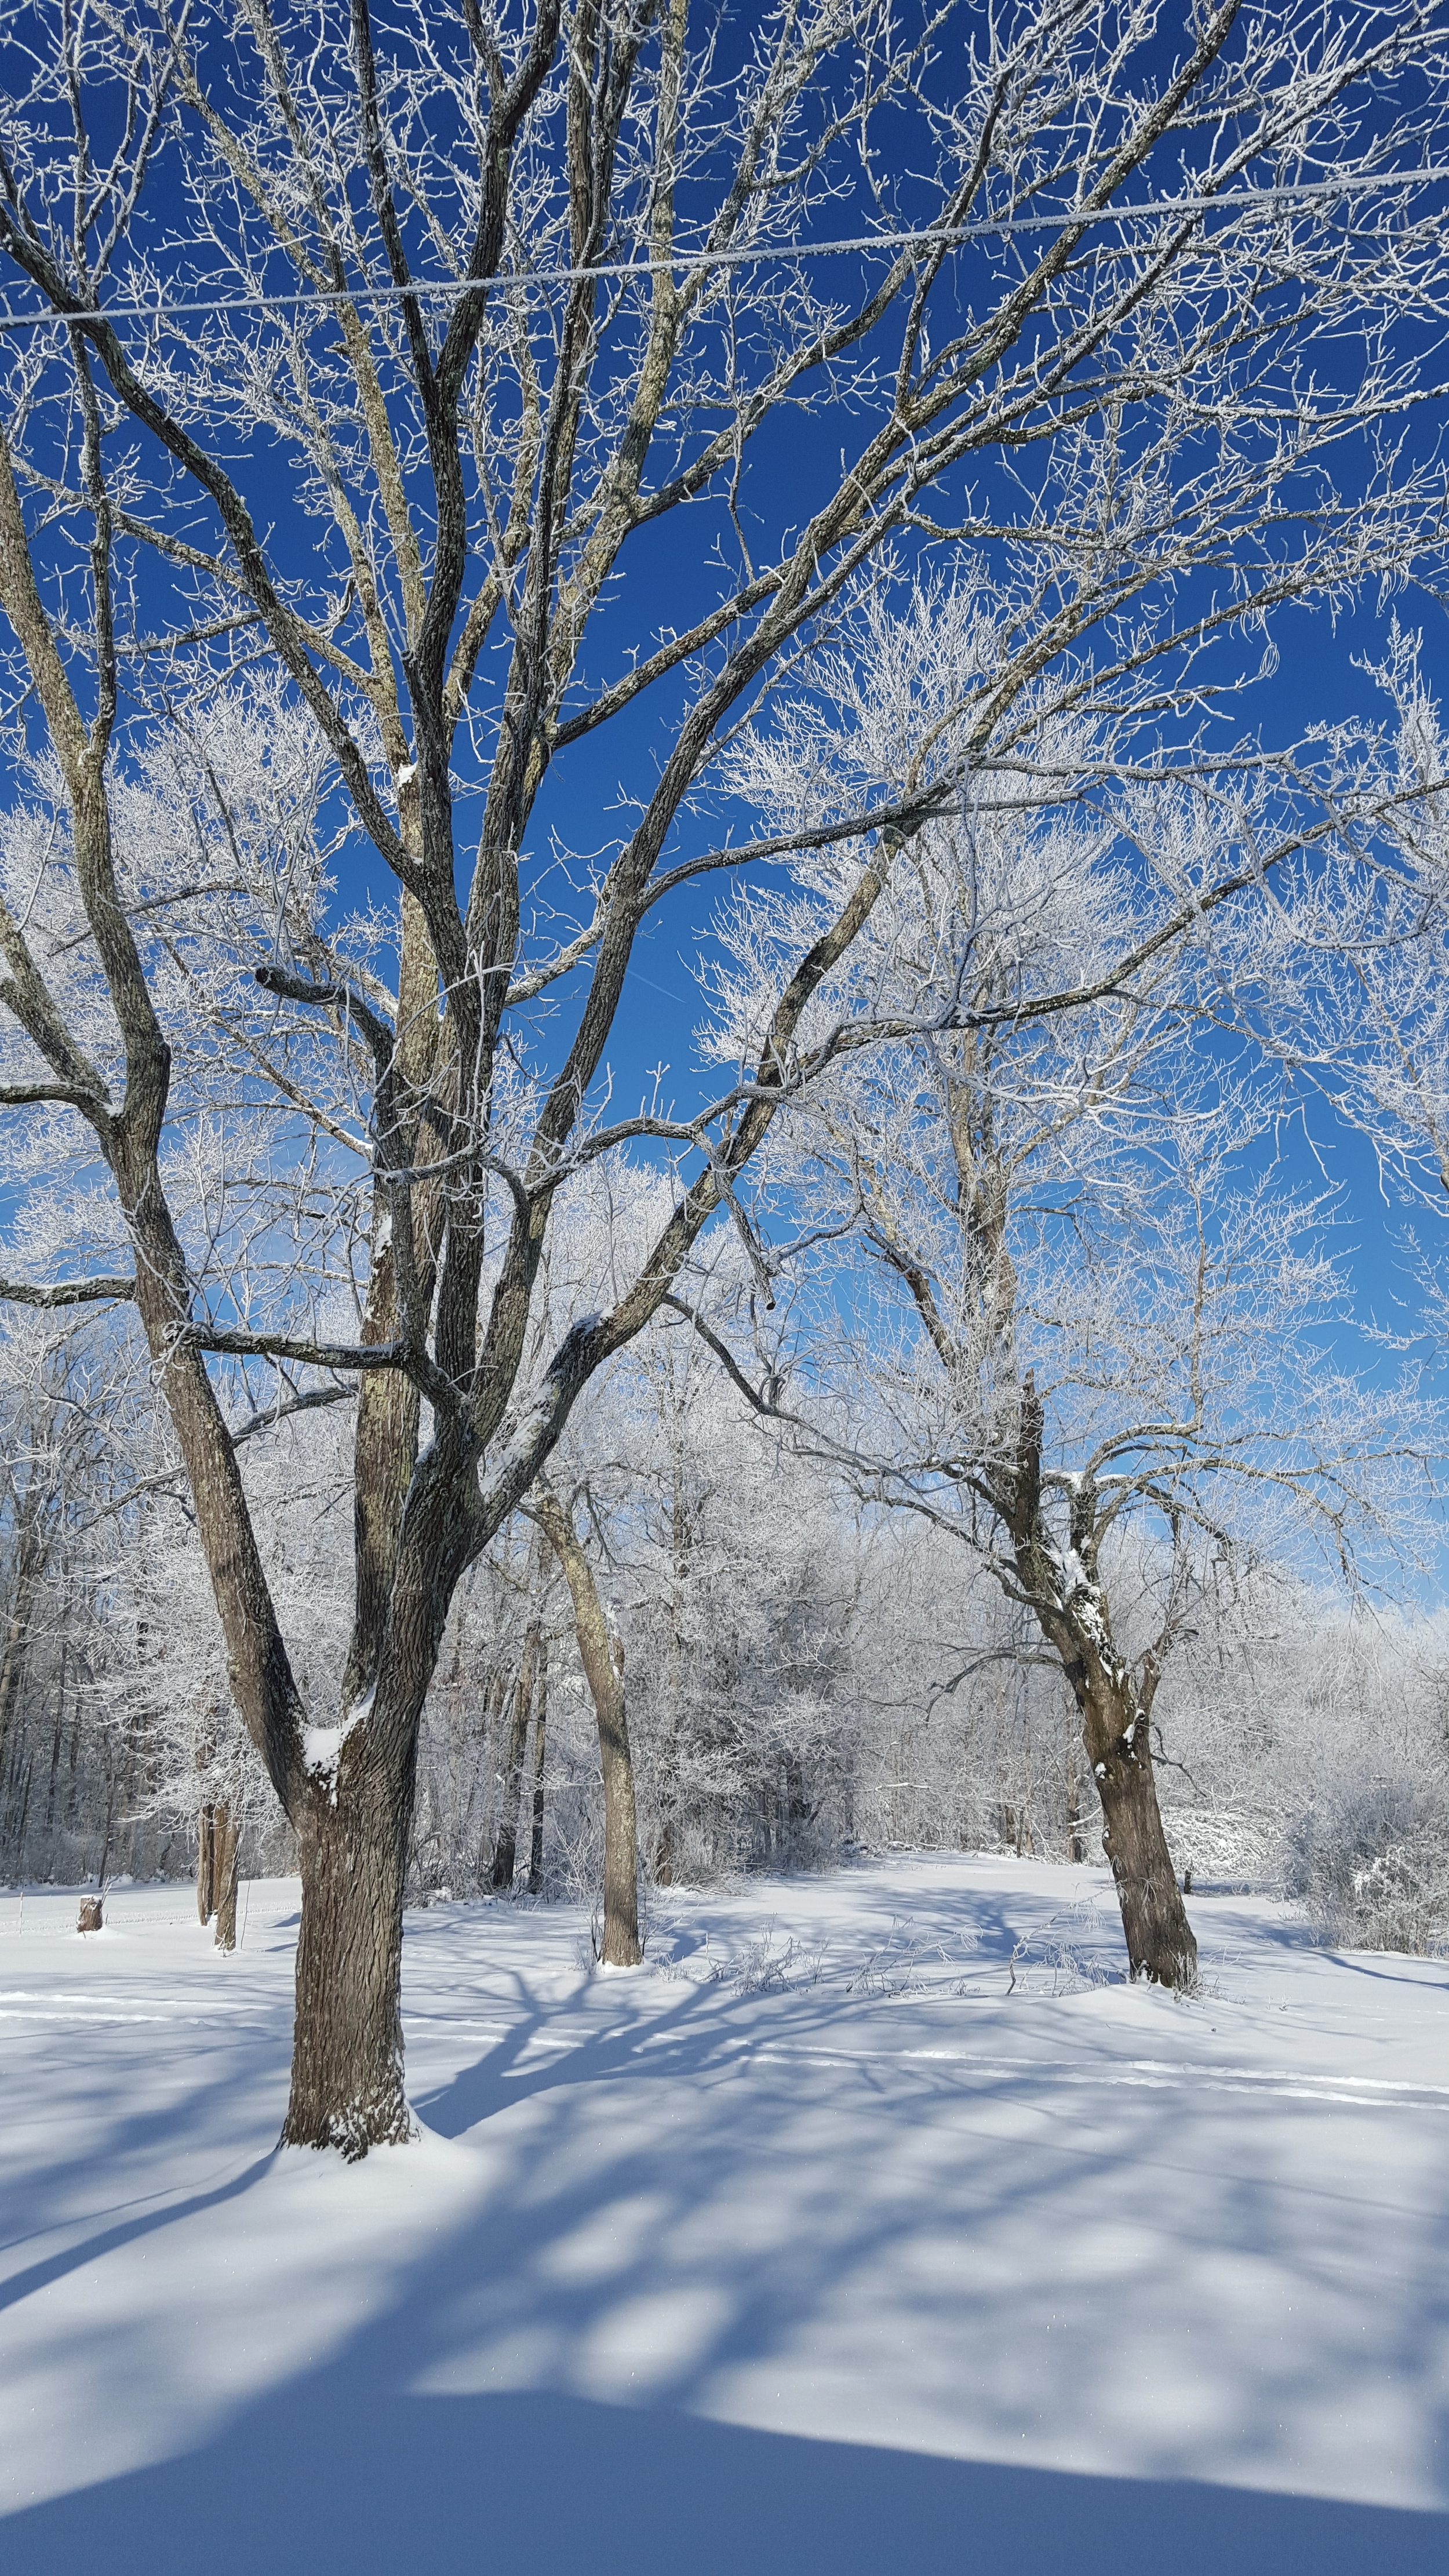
(1160, 1943)
(601, 1652)
(347, 2051)
(227, 1853)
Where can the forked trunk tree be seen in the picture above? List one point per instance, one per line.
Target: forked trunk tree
(501, 298)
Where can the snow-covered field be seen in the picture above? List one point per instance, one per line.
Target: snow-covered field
(816, 2245)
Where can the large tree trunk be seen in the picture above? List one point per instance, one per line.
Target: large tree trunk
(1115, 1737)
(347, 2050)
(218, 1849)
(1160, 1942)
(601, 1651)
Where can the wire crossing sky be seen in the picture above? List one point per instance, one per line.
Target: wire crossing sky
(687, 265)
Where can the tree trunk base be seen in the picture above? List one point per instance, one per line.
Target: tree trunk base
(347, 2049)
(1159, 1937)
(383, 2120)
(621, 1947)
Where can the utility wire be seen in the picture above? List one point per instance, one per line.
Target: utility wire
(687, 264)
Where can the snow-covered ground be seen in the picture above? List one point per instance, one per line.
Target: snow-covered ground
(819, 2244)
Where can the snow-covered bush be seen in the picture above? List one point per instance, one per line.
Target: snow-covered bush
(1370, 1862)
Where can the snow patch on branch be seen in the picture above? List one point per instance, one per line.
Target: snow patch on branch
(322, 1746)
(522, 1433)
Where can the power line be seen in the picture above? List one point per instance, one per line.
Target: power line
(691, 264)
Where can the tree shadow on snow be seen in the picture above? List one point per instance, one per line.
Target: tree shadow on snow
(637, 2179)
(90, 2249)
(332, 2477)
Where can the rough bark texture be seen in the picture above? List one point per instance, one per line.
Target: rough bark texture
(347, 2054)
(601, 1653)
(1160, 1942)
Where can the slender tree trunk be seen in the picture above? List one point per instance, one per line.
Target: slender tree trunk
(492, 1715)
(72, 1794)
(505, 1848)
(30, 1567)
(540, 1757)
(1076, 1845)
(601, 1651)
(24, 1811)
(227, 1848)
(206, 1864)
(55, 1746)
(106, 1837)
(1072, 1612)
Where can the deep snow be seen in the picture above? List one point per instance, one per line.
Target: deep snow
(818, 2244)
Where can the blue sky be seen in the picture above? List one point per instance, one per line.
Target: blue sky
(669, 577)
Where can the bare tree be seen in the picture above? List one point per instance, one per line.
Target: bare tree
(1107, 1313)
(510, 291)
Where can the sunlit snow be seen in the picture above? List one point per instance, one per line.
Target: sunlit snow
(819, 2243)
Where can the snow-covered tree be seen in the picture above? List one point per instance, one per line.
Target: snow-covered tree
(1063, 1290)
(506, 292)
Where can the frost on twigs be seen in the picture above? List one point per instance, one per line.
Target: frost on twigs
(1065, 1957)
(905, 1963)
(764, 1966)
(899, 1965)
